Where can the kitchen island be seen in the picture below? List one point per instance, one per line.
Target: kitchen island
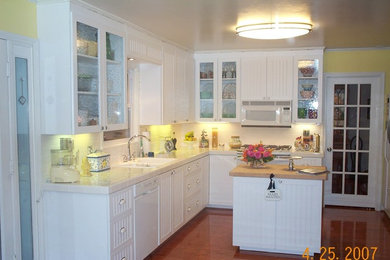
(281, 215)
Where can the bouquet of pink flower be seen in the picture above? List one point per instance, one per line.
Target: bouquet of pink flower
(257, 153)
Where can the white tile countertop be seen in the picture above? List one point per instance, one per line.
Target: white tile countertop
(119, 177)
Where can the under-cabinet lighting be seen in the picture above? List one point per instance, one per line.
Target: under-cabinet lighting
(270, 31)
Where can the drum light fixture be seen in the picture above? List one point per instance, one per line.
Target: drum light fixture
(271, 31)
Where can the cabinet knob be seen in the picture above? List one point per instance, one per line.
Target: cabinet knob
(102, 127)
(123, 230)
(122, 201)
(188, 186)
(329, 149)
(197, 181)
(188, 168)
(188, 209)
(197, 202)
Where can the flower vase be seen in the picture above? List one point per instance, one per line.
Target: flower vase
(257, 164)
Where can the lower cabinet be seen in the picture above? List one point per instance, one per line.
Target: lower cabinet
(221, 183)
(88, 226)
(171, 202)
(192, 186)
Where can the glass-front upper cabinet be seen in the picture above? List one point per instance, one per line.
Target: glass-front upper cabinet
(88, 86)
(217, 84)
(115, 83)
(308, 96)
(101, 90)
(228, 104)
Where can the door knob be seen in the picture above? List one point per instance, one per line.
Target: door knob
(329, 149)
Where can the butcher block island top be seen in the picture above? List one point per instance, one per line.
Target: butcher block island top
(280, 172)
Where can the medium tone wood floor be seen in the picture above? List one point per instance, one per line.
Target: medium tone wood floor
(209, 236)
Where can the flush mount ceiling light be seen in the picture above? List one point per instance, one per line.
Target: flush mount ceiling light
(271, 31)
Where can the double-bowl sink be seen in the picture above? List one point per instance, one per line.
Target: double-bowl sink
(147, 162)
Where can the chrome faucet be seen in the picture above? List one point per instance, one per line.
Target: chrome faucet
(131, 156)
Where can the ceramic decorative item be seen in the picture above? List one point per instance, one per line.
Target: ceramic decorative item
(99, 161)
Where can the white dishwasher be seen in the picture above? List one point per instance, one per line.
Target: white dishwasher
(146, 217)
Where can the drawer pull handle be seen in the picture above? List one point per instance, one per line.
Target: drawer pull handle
(122, 201)
(188, 168)
(123, 230)
(197, 181)
(188, 209)
(188, 186)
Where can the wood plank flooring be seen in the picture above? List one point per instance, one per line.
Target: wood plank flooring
(209, 236)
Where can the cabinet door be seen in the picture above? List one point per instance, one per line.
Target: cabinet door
(253, 78)
(207, 96)
(228, 91)
(308, 89)
(280, 77)
(181, 99)
(221, 183)
(168, 85)
(165, 205)
(115, 94)
(88, 83)
(177, 198)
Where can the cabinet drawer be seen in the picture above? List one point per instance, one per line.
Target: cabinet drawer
(121, 201)
(192, 206)
(192, 167)
(125, 252)
(192, 183)
(121, 231)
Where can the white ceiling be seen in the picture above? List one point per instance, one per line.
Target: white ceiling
(202, 25)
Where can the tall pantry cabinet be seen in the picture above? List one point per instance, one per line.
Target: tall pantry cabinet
(82, 62)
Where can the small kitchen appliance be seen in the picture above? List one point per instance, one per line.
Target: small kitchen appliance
(63, 163)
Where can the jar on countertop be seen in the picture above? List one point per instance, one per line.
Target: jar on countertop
(235, 142)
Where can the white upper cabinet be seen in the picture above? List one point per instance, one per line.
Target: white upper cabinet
(169, 61)
(308, 98)
(217, 89)
(267, 77)
(141, 47)
(82, 63)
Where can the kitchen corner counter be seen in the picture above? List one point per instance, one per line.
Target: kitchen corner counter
(120, 177)
(280, 171)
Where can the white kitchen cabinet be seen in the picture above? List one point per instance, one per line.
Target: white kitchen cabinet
(221, 183)
(217, 89)
(267, 77)
(192, 187)
(172, 100)
(205, 161)
(288, 225)
(88, 226)
(82, 70)
(308, 87)
(141, 47)
(171, 202)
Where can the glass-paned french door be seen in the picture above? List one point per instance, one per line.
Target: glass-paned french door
(351, 129)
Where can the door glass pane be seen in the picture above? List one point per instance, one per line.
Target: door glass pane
(364, 117)
(349, 184)
(352, 90)
(364, 139)
(338, 116)
(337, 162)
(351, 117)
(87, 75)
(339, 94)
(337, 183)
(365, 94)
(24, 169)
(363, 162)
(206, 89)
(338, 139)
(350, 142)
(350, 162)
(362, 185)
(115, 79)
(228, 108)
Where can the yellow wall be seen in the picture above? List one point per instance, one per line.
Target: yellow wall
(19, 17)
(359, 61)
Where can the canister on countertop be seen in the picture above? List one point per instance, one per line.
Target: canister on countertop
(317, 143)
(99, 161)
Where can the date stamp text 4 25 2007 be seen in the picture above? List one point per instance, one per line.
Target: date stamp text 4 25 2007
(351, 253)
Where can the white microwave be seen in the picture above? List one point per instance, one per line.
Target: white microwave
(266, 113)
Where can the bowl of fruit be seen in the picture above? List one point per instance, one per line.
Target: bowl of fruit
(189, 140)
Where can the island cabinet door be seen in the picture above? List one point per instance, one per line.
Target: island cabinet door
(254, 218)
(298, 215)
